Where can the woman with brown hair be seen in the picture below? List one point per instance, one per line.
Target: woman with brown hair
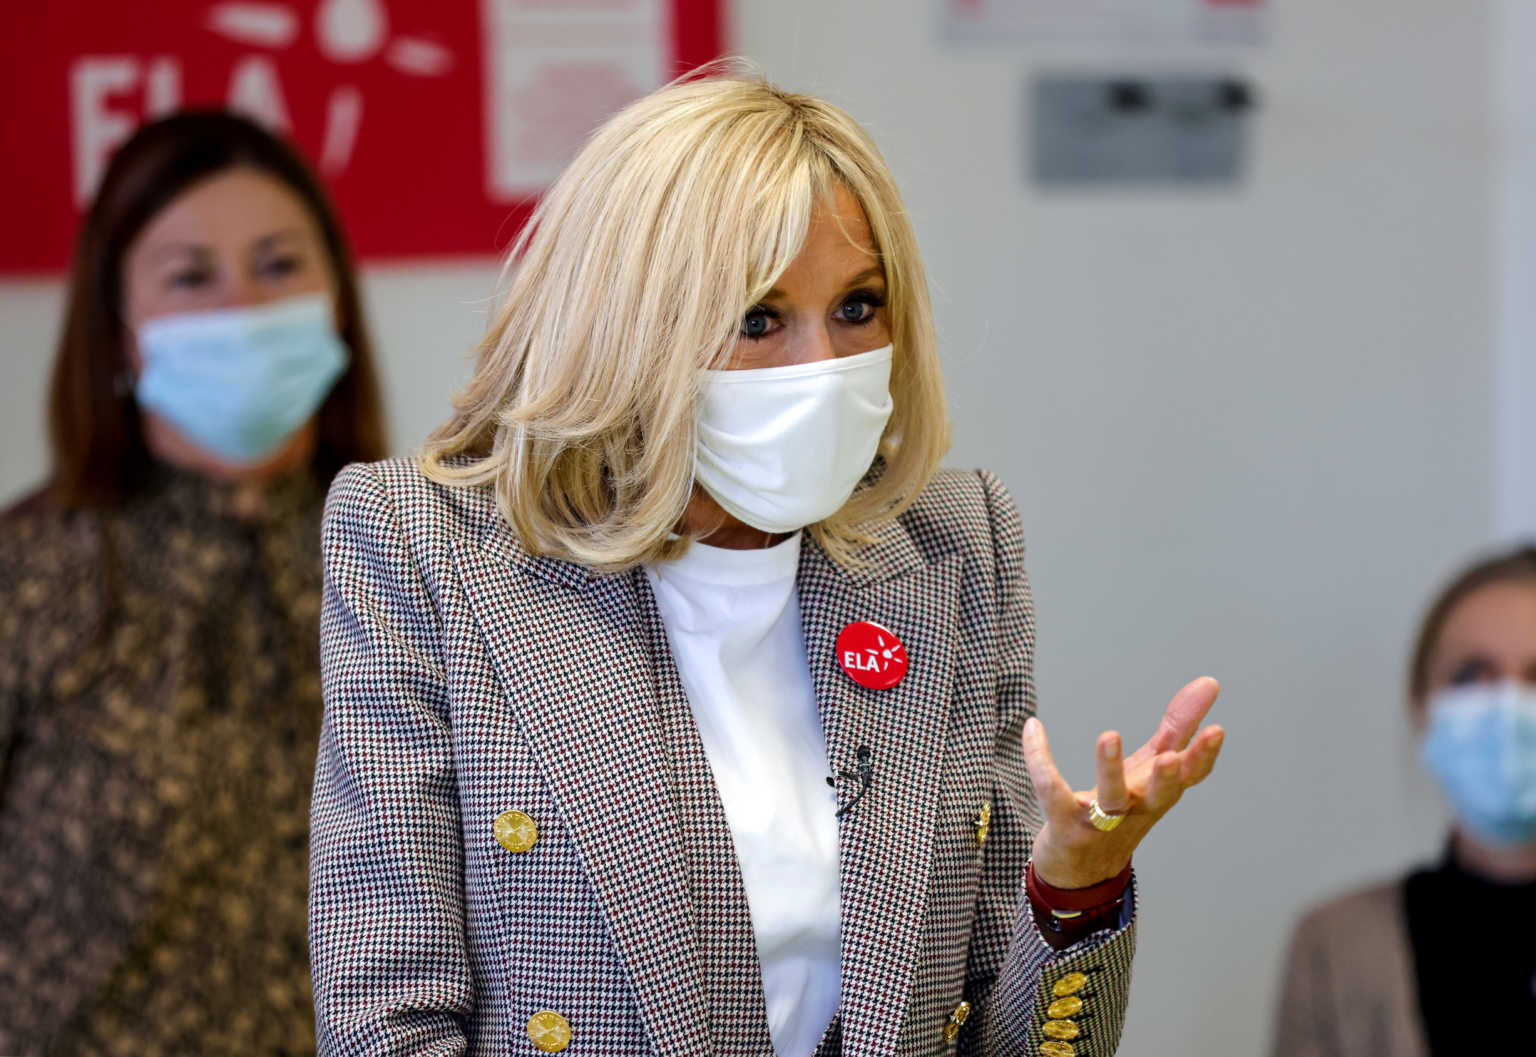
(159, 606)
(1444, 960)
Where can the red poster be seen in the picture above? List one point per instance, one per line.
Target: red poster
(434, 122)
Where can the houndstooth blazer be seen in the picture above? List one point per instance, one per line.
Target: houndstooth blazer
(465, 677)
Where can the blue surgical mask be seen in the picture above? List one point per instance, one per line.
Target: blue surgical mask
(240, 381)
(1481, 745)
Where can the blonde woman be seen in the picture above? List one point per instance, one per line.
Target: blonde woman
(676, 702)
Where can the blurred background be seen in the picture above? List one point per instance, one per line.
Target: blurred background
(1235, 296)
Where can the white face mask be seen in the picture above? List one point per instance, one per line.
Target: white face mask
(780, 448)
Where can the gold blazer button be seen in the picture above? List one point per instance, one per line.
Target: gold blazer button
(1061, 1029)
(956, 1019)
(1052, 1048)
(1070, 984)
(549, 1031)
(983, 822)
(1070, 1006)
(515, 831)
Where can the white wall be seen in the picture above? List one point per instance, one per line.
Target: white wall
(1515, 235)
(1249, 431)
(29, 325)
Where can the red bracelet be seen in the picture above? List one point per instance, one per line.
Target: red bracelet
(1070, 902)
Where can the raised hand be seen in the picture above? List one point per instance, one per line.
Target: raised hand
(1069, 851)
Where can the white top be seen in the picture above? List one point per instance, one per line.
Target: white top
(733, 622)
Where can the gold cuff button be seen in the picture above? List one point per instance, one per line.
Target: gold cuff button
(1070, 984)
(549, 1031)
(515, 831)
(1070, 1006)
(1061, 1029)
(1052, 1048)
(983, 822)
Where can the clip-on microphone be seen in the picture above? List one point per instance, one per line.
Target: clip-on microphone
(865, 774)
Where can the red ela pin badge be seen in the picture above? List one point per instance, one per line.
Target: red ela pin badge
(872, 655)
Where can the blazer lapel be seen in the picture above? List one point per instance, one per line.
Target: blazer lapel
(574, 654)
(886, 842)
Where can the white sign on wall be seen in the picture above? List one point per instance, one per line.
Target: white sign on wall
(1106, 21)
(552, 65)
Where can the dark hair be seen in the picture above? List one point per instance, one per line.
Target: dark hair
(99, 455)
(1518, 564)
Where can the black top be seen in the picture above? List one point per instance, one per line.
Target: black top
(1474, 952)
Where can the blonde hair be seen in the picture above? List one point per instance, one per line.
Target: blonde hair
(632, 277)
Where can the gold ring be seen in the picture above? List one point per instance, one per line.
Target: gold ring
(1102, 820)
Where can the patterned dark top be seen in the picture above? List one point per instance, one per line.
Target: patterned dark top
(159, 712)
